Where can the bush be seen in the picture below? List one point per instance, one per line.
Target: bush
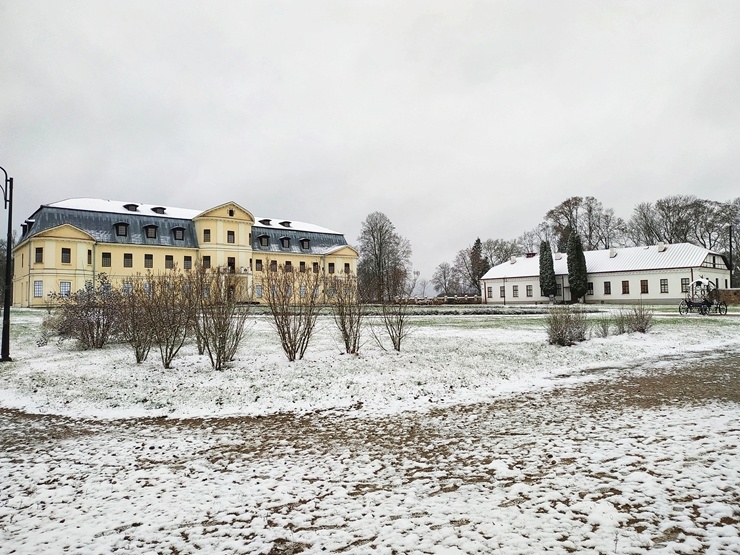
(620, 322)
(640, 318)
(90, 315)
(602, 326)
(565, 325)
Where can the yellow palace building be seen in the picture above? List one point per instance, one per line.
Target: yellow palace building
(65, 245)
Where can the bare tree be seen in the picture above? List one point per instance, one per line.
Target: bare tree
(383, 253)
(348, 310)
(222, 312)
(395, 317)
(598, 227)
(497, 251)
(465, 272)
(293, 299)
(136, 327)
(529, 241)
(443, 280)
(674, 215)
(564, 218)
(421, 287)
(170, 312)
(611, 231)
(643, 227)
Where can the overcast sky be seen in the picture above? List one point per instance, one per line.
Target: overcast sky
(457, 119)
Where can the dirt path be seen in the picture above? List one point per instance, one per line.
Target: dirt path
(537, 455)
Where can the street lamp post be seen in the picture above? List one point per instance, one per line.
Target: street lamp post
(7, 189)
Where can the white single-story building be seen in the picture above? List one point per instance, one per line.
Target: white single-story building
(656, 274)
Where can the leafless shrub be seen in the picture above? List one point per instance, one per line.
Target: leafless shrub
(566, 325)
(222, 310)
(137, 329)
(293, 299)
(197, 285)
(602, 326)
(169, 312)
(347, 307)
(90, 315)
(640, 318)
(620, 322)
(395, 315)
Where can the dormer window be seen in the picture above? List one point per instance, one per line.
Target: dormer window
(121, 229)
(305, 244)
(285, 242)
(266, 221)
(264, 241)
(150, 231)
(131, 207)
(158, 209)
(285, 223)
(178, 233)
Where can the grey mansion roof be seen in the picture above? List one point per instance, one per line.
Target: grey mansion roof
(99, 217)
(630, 259)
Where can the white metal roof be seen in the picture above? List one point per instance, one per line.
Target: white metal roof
(119, 207)
(679, 255)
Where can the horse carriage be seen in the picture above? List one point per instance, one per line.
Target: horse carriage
(702, 297)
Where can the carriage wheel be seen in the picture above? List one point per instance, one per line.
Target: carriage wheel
(722, 307)
(683, 308)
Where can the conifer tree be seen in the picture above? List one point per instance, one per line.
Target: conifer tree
(547, 270)
(577, 273)
(478, 264)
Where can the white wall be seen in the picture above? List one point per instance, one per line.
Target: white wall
(653, 277)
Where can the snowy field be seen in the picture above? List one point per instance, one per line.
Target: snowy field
(477, 438)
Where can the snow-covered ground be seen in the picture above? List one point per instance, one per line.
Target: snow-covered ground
(477, 438)
(447, 360)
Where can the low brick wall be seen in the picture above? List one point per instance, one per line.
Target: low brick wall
(730, 296)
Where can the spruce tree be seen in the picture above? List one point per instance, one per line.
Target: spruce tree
(547, 270)
(577, 273)
(478, 264)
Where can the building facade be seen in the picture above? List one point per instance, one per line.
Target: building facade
(658, 274)
(65, 245)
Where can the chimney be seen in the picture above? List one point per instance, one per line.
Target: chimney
(661, 246)
(612, 252)
(513, 260)
(557, 255)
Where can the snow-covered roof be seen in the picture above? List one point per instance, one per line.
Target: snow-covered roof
(158, 210)
(288, 225)
(119, 207)
(655, 257)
